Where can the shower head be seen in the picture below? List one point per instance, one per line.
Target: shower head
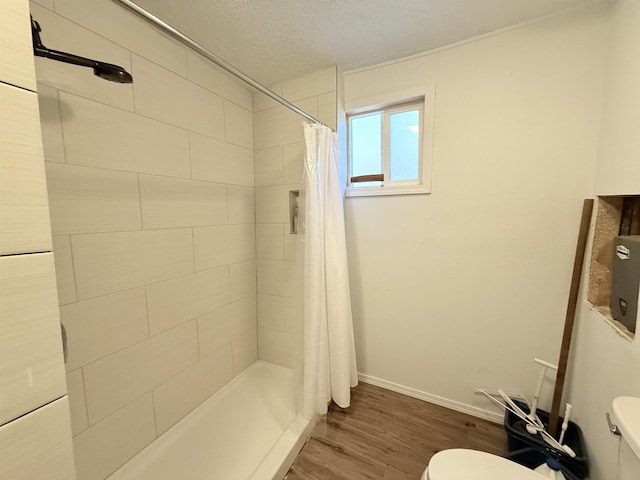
(108, 71)
(113, 73)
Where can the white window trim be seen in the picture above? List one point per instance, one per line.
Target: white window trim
(427, 95)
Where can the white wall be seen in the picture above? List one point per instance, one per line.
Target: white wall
(618, 168)
(464, 287)
(605, 365)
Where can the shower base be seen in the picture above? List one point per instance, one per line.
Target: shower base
(246, 431)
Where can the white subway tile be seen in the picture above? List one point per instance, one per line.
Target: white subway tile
(275, 347)
(100, 136)
(269, 241)
(241, 205)
(105, 446)
(65, 277)
(45, 3)
(271, 312)
(108, 262)
(245, 351)
(291, 245)
(31, 363)
(311, 85)
(272, 204)
(104, 325)
(328, 109)
(184, 298)
(219, 328)
(16, 46)
(165, 96)
(182, 393)
(173, 203)
(293, 163)
(77, 403)
(292, 314)
(112, 21)
(60, 34)
(238, 126)
(24, 216)
(88, 200)
(38, 445)
(243, 280)
(219, 161)
(206, 74)
(116, 380)
(223, 245)
(279, 125)
(277, 278)
(269, 166)
(262, 101)
(51, 124)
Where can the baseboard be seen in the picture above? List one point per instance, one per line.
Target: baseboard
(435, 399)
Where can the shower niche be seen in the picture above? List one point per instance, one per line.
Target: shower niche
(294, 209)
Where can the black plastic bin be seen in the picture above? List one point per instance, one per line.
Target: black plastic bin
(533, 457)
(519, 439)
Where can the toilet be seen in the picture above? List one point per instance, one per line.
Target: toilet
(626, 413)
(463, 464)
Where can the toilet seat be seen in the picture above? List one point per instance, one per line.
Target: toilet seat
(465, 464)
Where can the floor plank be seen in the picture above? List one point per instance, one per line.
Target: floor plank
(385, 435)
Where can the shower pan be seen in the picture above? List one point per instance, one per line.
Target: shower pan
(248, 430)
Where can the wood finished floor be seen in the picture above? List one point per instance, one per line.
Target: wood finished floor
(388, 436)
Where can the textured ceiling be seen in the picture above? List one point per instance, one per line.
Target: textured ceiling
(274, 40)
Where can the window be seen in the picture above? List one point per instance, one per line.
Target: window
(389, 147)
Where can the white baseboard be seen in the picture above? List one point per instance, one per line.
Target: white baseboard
(435, 399)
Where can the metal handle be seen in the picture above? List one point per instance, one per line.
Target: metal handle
(613, 429)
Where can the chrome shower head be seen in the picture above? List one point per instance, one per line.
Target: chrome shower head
(107, 71)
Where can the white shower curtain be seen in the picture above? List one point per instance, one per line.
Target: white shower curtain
(329, 350)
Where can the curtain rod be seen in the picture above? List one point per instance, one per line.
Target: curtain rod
(215, 58)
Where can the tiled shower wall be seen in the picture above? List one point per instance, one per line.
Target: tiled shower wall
(279, 152)
(152, 206)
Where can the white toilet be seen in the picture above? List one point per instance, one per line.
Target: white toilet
(463, 464)
(626, 412)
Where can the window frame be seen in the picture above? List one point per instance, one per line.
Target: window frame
(422, 98)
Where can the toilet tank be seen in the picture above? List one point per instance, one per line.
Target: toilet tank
(626, 411)
(628, 463)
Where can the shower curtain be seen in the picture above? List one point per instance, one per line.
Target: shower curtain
(329, 368)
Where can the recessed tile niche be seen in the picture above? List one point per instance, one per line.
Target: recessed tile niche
(614, 215)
